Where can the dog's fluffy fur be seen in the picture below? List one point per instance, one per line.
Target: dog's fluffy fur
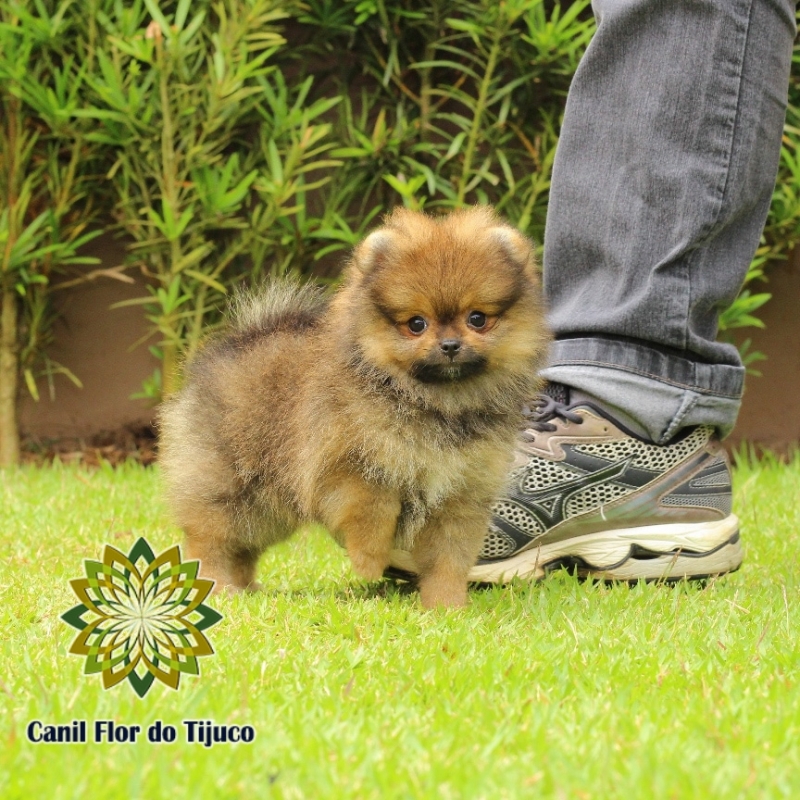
(345, 413)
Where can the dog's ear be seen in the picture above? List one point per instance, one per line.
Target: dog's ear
(373, 251)
(517, 248)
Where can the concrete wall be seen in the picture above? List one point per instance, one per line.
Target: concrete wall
(94, 341)
(770, 414)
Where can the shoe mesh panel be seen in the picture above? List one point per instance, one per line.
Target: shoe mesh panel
(653, 457)
(517, 516)
(721, 502)
(497, 544)
(717, 479)
(599, 495)
(539, 474)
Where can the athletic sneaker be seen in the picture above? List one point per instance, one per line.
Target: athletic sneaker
(588, 494)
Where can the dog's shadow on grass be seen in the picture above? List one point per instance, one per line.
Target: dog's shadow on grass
(401, 586)
(381, 590)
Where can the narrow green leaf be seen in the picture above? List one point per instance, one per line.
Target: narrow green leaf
(31, 384)
(209, 281)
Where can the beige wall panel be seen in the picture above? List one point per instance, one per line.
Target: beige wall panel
(93, 340)
(770, 414)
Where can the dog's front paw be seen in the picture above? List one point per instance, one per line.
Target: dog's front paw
(437, 593)
(369, 565)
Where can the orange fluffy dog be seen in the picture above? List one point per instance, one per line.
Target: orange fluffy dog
(387, 413)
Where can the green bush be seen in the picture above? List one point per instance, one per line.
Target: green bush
(47, 191)
(226, 139)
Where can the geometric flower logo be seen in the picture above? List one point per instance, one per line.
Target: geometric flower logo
(145, 617)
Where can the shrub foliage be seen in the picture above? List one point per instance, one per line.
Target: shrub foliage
(225, 139)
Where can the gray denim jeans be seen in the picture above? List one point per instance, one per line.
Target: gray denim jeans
(661, 186)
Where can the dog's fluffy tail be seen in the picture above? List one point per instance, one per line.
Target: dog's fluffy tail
(279, 306)
(283, 305)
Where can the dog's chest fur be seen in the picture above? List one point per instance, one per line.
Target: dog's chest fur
(430, 459)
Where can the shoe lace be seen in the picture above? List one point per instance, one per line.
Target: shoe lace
(542, 410)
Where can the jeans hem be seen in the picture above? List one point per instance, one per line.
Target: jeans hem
(721, 380)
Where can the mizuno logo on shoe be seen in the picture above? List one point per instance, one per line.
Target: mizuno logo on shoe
(548, 505)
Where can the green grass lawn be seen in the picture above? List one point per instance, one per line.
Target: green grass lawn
(559, 688)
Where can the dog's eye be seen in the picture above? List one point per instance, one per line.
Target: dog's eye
(477, 320)
(417, 325)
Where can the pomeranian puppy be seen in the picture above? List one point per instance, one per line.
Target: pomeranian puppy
(387, 413)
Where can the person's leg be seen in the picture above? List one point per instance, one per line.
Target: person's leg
(660, 189)
(661, 186)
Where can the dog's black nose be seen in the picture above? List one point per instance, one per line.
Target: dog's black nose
(450, 347)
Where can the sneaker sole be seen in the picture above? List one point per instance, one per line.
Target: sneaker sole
(653, 552)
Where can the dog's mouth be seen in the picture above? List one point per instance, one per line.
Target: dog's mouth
(451, 372)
